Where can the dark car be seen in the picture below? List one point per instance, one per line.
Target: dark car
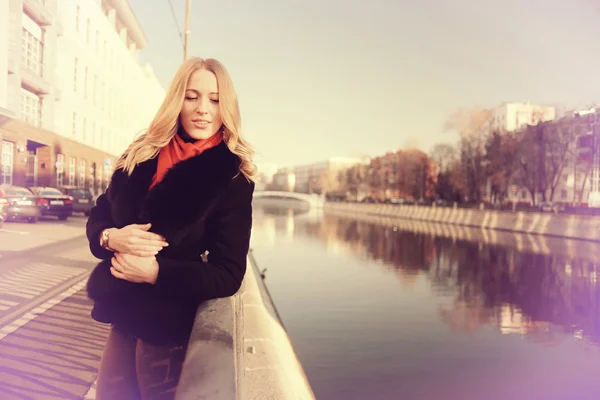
(83, 201)
(19, 203)
(53, 202)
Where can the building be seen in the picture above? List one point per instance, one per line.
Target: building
(266, 173)
(323, 176)
(107, 97)
(28, 34)
(573, 175)
(34, 156)
(510, 117)
(72, 94)
(283, 180)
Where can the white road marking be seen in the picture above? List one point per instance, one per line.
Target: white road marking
(13, 326)
(16, 232)
(34, 279)
(91, 394)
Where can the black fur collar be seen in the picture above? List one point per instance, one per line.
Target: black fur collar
(186, 194)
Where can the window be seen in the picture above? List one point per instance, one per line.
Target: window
(92, 173)
(82, 167)
(18, 191)
(84, 131)
(50, 192)
(102, 96)
(31, 46)
(71, 171)
(75, 67)
(60, 169)
(8, 149)
(563, 194)
(74, 133)
(85, 82)
(30, 107)
(96, 42)
(87, 31)
(523, 194)
(77, 17)
(94, 89)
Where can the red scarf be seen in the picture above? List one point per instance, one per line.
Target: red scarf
(179, 150)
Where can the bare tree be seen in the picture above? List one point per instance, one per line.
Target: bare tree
(444, 155)
(501, 153)
(558, 141)
(529, 173)
(473, 127)
(584, 152)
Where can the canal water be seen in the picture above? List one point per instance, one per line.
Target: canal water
(393, 309)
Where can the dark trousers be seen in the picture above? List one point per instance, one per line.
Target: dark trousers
(133, 370)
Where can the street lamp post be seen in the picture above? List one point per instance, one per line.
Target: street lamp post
(594, 196)
(186, 40)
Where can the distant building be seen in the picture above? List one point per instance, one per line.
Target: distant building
(322, 176)
(510, 117)
(266, 172)
(283, 180)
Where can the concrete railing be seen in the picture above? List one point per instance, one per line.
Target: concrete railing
(561, 225)
(240, 350)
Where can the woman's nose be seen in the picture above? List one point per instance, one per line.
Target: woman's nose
(202, 107)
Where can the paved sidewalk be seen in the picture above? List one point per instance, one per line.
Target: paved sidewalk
(55, 355)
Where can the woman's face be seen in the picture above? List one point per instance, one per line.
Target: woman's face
(200, 115)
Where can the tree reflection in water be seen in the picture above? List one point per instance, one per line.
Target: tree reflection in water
(542, 296)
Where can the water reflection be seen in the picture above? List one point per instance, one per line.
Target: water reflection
(545, 297)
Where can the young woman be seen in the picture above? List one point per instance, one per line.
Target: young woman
(173, 230)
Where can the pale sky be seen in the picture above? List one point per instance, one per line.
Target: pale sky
(323, 78)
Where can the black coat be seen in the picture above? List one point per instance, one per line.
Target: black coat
(203, 203)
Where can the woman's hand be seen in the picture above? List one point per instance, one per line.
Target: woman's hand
(136, 240)
(134, 269)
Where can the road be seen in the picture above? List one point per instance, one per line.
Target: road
(50, 348)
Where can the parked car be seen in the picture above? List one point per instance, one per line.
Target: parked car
(53, 202)
(83, 201)
(3, 215)
(19, 203)
(548, 206)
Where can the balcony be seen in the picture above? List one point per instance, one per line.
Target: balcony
(38, 11)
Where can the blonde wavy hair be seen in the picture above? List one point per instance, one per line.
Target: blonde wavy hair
(166, 121)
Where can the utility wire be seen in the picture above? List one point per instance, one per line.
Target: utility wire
(176, 22)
